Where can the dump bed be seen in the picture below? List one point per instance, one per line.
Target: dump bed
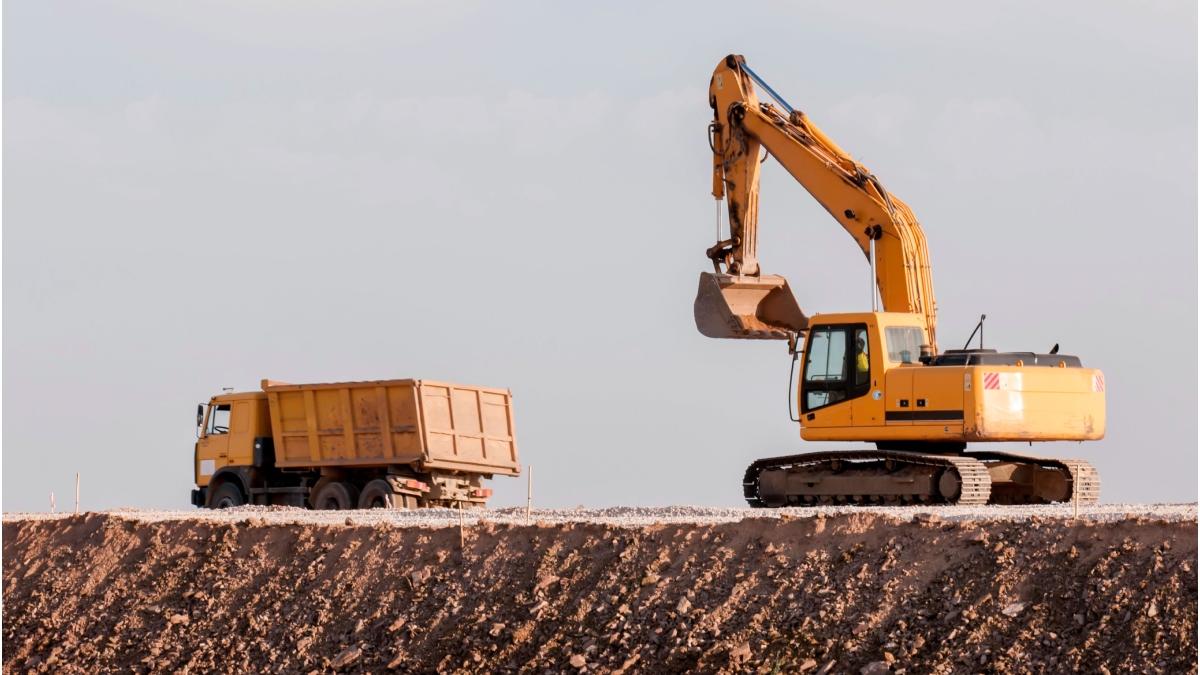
(430, 425)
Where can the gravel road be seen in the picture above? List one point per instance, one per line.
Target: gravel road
(639, 516)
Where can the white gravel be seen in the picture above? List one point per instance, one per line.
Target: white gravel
(636, 516)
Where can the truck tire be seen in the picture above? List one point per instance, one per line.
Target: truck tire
(227, 495)
(335, 496)
(378, 494)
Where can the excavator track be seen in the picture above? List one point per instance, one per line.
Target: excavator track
(1080, 477)
(947, 479)
(1085, 480)
(888, 476)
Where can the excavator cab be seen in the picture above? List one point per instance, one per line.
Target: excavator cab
(747, 307)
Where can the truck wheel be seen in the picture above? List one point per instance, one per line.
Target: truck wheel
(335, 496)
(378, 494)
(226, 496)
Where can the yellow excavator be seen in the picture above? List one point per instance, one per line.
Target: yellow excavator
(878, 377)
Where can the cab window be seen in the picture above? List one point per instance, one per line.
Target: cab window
(826, 360)
(904, 343)
(831, 366)
(218, 419)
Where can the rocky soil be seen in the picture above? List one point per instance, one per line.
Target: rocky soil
(838, 592)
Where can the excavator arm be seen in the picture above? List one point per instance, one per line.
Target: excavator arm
(736, 300)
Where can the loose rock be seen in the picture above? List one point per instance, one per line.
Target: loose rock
(1013, 608)
(346, 657)
(875, 668)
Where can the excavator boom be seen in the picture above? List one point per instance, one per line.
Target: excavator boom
(736, 296)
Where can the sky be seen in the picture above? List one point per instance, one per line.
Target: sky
(202, 195)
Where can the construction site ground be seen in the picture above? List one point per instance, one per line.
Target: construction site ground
(622, 590)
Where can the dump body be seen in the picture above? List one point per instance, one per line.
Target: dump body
(428, 425)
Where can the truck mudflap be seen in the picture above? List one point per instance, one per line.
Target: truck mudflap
(199, 497)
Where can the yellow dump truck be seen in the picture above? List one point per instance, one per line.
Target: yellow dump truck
(347, 445)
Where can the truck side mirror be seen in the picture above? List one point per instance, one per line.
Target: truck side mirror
(199, 414)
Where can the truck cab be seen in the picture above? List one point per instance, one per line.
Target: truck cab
(231, 430)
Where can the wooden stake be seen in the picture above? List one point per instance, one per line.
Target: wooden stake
(462, 538)
(528, 491)
(52, 507)
(76, 493)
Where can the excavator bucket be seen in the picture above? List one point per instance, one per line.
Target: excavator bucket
(747, 308)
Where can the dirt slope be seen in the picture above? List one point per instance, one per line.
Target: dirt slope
(846, 594)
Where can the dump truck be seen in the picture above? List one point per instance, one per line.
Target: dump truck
(347, 445)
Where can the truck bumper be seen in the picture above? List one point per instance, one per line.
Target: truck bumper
(199, 497)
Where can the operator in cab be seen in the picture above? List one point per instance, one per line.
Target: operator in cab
(862, 364)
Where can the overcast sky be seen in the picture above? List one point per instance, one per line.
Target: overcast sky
(201, 195)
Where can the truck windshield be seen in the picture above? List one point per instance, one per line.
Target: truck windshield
(218, 419)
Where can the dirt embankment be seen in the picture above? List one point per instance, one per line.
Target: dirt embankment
(845, 594)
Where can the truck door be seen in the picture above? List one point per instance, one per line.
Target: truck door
(212, 450)
(240, 439)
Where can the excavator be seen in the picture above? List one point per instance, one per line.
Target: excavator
(878, 377)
